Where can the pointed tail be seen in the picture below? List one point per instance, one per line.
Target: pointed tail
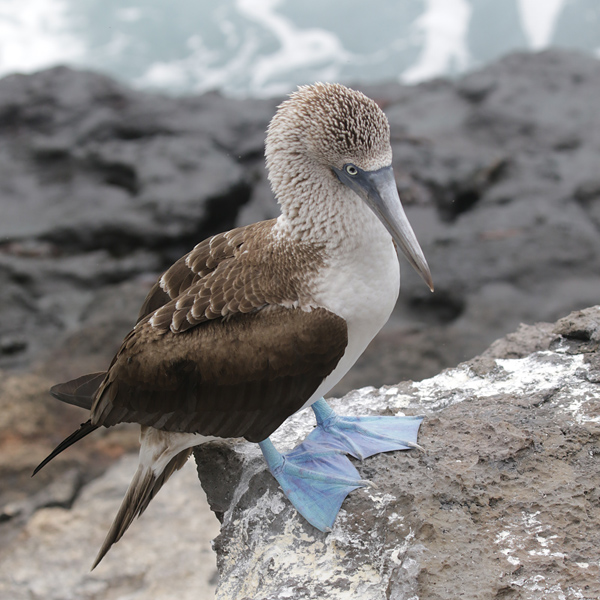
(80, 391)
(159, 459)
(83, 430)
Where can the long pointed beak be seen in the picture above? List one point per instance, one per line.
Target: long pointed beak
(378, 189)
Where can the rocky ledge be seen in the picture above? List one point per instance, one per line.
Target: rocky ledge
(502, 504)
(504, 501)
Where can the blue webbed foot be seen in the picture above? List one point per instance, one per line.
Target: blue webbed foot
(315, 479)
(362, 437)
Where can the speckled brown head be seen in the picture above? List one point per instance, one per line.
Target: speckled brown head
(325, 125)
(331, 124)
(325, 142)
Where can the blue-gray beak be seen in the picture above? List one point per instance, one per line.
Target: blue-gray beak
(378, 189)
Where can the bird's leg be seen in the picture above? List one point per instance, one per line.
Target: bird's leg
(362, 436)
(316, 480)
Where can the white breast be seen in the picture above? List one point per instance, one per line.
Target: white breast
(362, 287)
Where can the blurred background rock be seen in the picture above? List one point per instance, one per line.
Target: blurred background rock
(151, 138)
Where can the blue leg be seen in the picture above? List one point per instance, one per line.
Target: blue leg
(315, 479)
(362, 436)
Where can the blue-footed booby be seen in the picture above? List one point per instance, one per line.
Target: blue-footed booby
(259, 322)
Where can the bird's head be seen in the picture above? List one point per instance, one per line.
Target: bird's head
(329, 135)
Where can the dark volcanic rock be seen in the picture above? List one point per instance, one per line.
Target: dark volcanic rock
(102, 166)
(101, 184)
(502, 503)
(498, 174)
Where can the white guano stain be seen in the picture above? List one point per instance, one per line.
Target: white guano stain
(538, 372)
(321, 562)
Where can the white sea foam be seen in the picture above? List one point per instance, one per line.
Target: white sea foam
(538, 19)
(443, 26)
(252, 47)
(35, 34)
(315, 48)
(262, 74)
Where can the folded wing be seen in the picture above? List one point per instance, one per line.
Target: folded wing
(239, 376)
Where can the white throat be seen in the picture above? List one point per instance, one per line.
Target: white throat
(360, 281)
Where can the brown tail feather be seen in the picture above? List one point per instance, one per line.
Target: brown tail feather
(80, 391)
(143, 487)
(83, 430)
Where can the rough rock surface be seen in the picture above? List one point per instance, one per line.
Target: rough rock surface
(503, 502)
(167, 555)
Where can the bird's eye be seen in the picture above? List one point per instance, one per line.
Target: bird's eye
(351, 170)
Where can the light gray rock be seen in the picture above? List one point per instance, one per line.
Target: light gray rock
(165, 555)
(502, 503)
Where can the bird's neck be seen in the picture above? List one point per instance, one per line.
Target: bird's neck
(330, 216)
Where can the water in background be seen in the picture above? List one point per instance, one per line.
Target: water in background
(267, 47)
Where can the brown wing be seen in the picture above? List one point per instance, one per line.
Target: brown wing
(239, 376)
(192, 268)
